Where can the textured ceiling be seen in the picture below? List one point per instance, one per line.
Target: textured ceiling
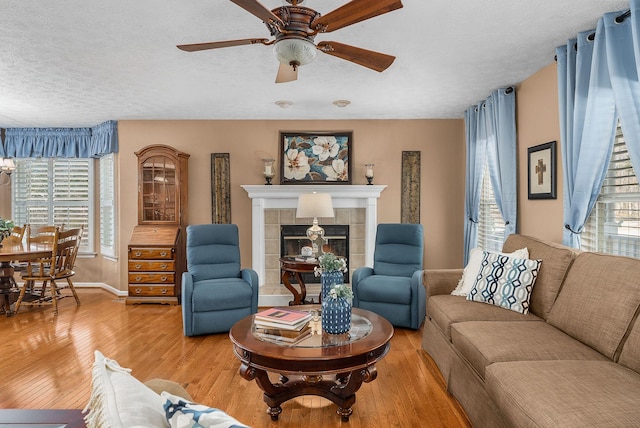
(80, 62)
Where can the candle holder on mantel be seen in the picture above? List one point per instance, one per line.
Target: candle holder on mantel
(268, 170)
(368, 173)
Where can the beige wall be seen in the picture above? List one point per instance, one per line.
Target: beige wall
(537, 123)
(441, 143)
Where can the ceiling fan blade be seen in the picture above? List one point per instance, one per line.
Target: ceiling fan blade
(254, 7)
(374, 60)
(286, 73)
(215, 45)
(354, 11)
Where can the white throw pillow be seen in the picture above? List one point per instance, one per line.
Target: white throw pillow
(183, 414)
(119, 400)
(471, 271)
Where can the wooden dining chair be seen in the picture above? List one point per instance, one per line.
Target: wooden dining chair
(16, 236)
(42, 234)
(66, 253)
(37, 269)
(51, 270)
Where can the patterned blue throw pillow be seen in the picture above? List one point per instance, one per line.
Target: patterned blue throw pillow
(505, 281)
(184, 414)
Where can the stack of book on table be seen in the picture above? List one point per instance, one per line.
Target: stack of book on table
(287, 325)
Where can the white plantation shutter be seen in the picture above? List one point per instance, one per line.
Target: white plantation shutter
(490, 222)
(30, 191)
(107, 206)
(55, 191)
(613, 226)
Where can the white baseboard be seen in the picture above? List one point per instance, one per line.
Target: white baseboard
(106, 287)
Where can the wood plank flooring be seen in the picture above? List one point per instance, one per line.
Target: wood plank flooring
(45, 362)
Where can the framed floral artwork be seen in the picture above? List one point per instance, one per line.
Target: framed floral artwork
(315, 157)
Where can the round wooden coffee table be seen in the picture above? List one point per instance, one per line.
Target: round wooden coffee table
(328, 365)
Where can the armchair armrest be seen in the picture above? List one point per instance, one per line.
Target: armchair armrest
(441, 281)
(360, 274)
(251, 276)
(187, 293)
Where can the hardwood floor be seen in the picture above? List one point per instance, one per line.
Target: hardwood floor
(46, 363)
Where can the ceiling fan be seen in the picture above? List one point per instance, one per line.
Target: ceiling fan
(295, 27)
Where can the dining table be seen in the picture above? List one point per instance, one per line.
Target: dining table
(17, 253)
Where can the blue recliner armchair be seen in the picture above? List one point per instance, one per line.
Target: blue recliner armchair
(393, 287)
(216, 293)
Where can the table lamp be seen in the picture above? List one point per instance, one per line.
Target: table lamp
(315, 205)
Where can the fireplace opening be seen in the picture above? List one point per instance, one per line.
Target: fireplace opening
(293, 237)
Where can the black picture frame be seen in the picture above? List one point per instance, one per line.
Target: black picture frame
(541, 171)
(315, 157)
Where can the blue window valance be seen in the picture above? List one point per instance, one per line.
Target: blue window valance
(60, 142)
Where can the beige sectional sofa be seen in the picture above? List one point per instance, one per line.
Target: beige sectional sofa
(572, 361)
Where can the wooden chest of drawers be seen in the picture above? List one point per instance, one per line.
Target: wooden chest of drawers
(156, 264)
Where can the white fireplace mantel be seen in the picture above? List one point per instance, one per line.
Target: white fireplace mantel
(286, 196)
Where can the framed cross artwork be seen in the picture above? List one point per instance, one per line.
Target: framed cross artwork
(542, 171)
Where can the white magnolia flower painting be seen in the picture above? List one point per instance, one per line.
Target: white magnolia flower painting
(316, 157)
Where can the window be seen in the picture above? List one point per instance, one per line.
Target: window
(613, 226)
(490, 222)
(55, 191)
(107, 206)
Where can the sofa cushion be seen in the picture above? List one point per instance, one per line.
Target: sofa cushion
(181, 413)
(471, 270)
(556, 260)
(630, 355)
(598, 301)
(505, 281)
(120, 400)
(445, 310)
(483, 343)
(584, 393)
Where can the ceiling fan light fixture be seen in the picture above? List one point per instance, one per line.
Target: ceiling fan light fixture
(341, 103)
(296, 51)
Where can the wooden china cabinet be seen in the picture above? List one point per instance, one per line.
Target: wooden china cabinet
(157, 256)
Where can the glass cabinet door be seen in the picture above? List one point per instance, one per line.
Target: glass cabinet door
(159, 189)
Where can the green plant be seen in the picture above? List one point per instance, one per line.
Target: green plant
(341, 291)
(5, 227)
(329, 262)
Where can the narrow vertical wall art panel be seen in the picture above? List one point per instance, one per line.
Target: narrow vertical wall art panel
(220, 188)
(410, 205)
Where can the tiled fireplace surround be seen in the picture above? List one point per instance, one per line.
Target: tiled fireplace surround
(272, 206)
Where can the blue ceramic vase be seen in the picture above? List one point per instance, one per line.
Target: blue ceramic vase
(336, 315)
(328, 280)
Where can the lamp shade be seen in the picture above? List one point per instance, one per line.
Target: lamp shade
(314, 205)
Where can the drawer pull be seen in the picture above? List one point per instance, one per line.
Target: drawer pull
(138, 291)
(163, 291)
(138, 253)
(138, 278)
(163, 279)
(138, 266)
(163, 266)
(163, 254)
